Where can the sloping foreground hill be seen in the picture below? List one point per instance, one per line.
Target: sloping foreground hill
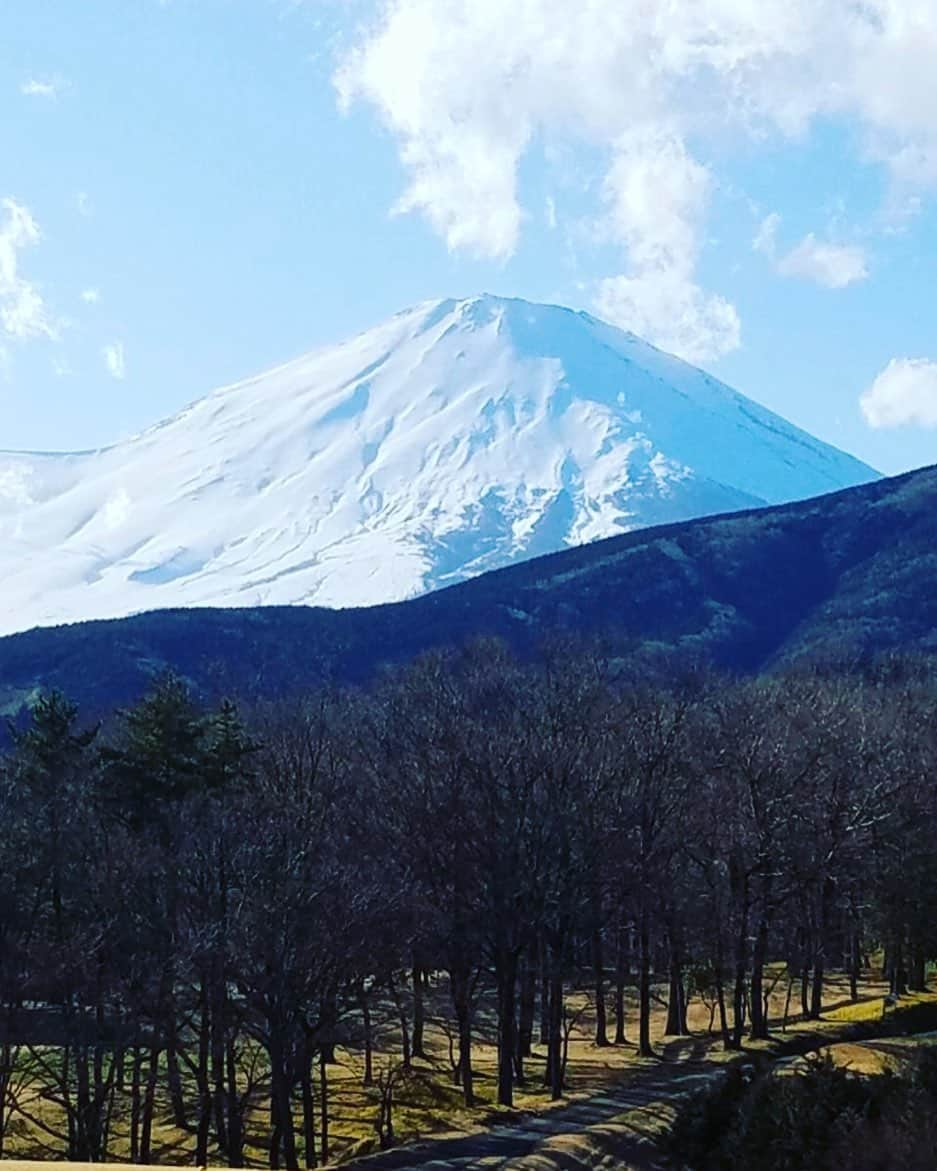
(850, 574)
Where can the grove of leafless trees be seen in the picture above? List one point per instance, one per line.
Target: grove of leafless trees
(195, 904)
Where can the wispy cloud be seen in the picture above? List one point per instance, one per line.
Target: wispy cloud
(115, 360)
(549, 213)
(834, 266)
(91, 296)
(830, 265)
(766, 238)
(23, 312)
(49, 88)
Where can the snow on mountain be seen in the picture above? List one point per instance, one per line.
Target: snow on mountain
(455, 438)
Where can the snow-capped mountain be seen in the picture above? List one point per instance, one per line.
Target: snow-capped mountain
(455, 438)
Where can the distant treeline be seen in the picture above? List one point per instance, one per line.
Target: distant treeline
(182, 888)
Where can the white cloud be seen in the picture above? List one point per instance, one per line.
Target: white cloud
(657, 197)
(115, 360)
(766, 237)
(679, 316)
(35, 87)
(83, 204)
(23, 313)
(834, 266)
(91, 296)
(466, 86)
(549, 213)
(904, 393)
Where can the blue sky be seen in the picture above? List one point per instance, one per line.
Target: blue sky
(194, 190)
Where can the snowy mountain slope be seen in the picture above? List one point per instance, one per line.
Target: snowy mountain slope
(455, 438)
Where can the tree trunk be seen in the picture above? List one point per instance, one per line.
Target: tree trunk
(855, 961)
(6, 1051)
(276, 1133)
(676, 1002)
(103, 1084)
(622, 972)
(80, 1147)
(917, 976)
(235, 1116)
(719, 978)
(309, 1106)
(324, 1107)
(787, 1000)
(741, 971)
(365, 1005)
(555, 1044)
(544, 994)
(759, 1030)
(219, 1006)
(218, 1015)
(738, 1006)
(135, 1104)
(419, 1012)
(406, 1052)
(598, 969)
(528, 1004)
(149, 1103)
(897, 972)
(461, 997)
(203, 1077)
(329, 1019)
(819, 963)
(645, 1048)
(506, 974)
(816, 991)
(174, 1076)
(281, 1106)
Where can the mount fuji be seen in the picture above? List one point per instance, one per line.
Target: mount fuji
(457, 437)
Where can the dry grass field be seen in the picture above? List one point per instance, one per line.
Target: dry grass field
(428, 1103)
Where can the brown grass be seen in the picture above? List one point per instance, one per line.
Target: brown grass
(429, 1104)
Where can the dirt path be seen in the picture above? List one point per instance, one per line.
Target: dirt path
(612, 1130)
(618, 1119)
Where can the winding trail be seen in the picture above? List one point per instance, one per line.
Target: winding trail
(535, 1141)
(612, 1130)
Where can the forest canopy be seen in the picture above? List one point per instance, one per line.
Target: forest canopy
(197, 902)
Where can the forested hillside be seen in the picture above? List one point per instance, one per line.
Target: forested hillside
(837, 578)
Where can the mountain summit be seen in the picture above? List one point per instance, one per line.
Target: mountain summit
(455, 438)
